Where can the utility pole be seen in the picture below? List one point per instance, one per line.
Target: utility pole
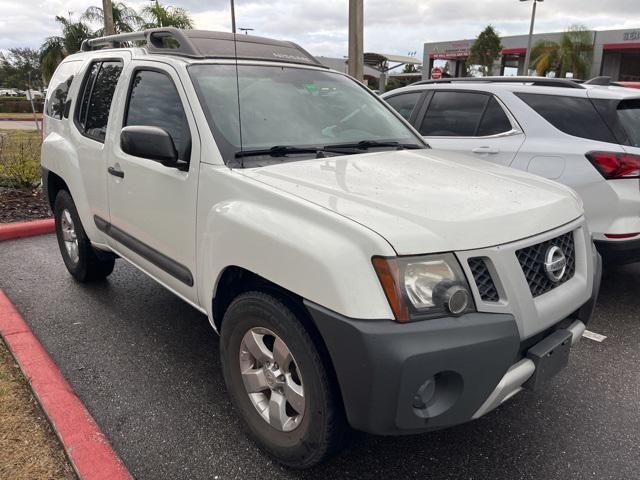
(527, 57)
(233, 17)
(356, 39)
(107, 11)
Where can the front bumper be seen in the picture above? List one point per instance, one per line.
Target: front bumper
(427, 375)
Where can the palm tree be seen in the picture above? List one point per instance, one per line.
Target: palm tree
(158, 15)
(125, 19)
(55, 48)
(572, 54)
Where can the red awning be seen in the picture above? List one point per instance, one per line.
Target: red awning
(621, 46)
(514, 51)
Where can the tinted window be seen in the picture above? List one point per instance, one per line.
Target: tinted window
(405, 103)
(59, 88)
(454, 114)
(154, 101)
(97, 94)
(494, 120)
(571, 115)
(629, 118)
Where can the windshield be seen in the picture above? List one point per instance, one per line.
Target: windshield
(293, 107)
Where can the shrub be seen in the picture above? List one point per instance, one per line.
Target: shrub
(19, 105)
(19, 158)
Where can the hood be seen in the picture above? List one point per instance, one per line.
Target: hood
(422, 202)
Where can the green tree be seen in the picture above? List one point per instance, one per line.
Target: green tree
(55, 48)
(18, 66)
(485, 50)
(125, 18)
(573, 54)
(158, 15)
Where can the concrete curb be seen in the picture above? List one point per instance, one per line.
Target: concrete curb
(86, 446)
(9, 231)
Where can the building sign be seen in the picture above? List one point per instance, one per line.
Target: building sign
(453, 50)
(632, 36)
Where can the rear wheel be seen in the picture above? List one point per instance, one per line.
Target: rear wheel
(83, 262)
(278, 381)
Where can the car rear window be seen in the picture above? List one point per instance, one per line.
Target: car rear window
(575, 116)
(629, 118)
(59, 88)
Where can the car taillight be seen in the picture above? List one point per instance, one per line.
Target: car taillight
(614, 165)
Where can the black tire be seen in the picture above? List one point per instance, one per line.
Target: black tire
(91, 264)
(322, 426)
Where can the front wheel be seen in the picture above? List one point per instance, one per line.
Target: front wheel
(278, 381)
(83, 262)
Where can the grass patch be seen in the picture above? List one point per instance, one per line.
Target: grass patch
(19, 116)
(28, 447)
(19, 158)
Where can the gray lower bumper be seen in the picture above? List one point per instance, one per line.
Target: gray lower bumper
(518, 374)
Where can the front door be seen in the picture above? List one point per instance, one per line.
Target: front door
(153, 207)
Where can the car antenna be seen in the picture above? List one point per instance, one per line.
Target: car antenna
(235, 48)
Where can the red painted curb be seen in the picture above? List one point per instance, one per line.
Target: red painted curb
(9, 231)
(87, 448)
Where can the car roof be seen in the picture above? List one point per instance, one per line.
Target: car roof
(187, 44)
(583, 90)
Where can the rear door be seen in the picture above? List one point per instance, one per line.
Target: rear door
(471, 122)
(152, 207)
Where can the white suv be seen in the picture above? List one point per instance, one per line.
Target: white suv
(585, 136)
(354, 277)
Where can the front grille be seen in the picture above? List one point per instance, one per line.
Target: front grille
(532, 262)
(484, 282)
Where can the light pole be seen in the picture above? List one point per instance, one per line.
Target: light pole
(107, 13)
(233, 17)
(527, 57)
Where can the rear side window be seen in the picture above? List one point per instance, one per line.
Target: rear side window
(154, 101)
(572, 115)
(404, 103)
(97, 94)
(454, 114)
(59, 88)
(494, 120)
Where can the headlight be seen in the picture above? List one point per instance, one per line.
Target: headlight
(424, 287)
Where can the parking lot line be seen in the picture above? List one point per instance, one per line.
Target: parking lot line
(593, 336)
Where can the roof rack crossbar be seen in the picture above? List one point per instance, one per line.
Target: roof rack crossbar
(537, 81)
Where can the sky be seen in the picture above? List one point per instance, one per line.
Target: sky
(320, 26)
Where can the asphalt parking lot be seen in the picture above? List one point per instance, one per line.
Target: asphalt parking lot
(146, 365)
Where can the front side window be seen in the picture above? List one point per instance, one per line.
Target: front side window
(404, 103)
(276, 106)
(575, 116)
(154, 101)
(454, 114)
(59, 88)
(97, 94)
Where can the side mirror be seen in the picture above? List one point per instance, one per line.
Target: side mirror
(154, 143)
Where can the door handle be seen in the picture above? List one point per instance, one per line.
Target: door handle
(115, 172)
(486, 149)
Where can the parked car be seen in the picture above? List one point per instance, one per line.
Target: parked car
(354, 276)
(585, 136)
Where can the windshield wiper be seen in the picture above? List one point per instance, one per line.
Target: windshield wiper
(366, 144)
(276, 151)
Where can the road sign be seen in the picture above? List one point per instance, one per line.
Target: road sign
(436, 73)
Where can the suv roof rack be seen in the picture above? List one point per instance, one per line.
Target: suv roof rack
(207, 44)
(537, 81)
